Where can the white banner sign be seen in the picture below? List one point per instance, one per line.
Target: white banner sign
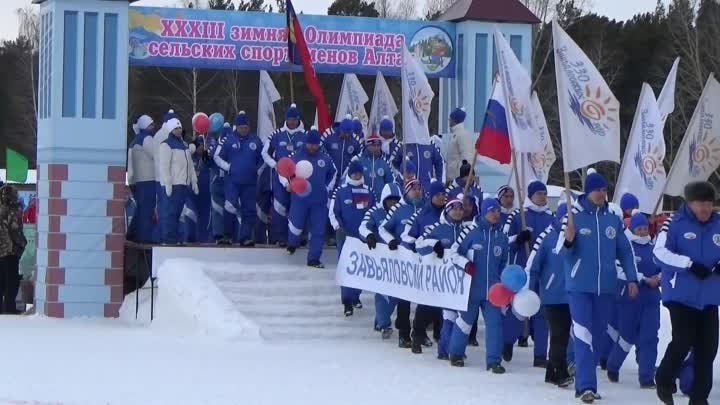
(403, 274)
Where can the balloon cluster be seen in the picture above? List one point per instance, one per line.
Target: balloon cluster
(525, 303)
(297, 174)
(203, 124)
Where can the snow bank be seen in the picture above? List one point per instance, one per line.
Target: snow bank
(186, 300)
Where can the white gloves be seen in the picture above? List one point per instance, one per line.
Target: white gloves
(195, 188)
(168, 189)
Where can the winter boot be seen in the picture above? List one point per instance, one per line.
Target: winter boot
(358, 305)
(291, 249)
(473, 342)
(456, 361)
(248, 243)
(416, 345)
(603, 364)
(507, 353)
(523, 341)
(613, 376)
(386, 333)
(496, 368)
(540, 362)
(404, 343)
(550, 375)
(443, 356)
(648, 385)
(587, 397)
(427, 342)
(665, 394)
(282, 244)
(348, 310)
(316, 264)
(698, 402)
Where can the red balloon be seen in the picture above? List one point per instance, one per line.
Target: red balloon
(286, 167)
(499, 295)
(298, 185)
(201, 123)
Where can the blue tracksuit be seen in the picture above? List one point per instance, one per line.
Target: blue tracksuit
(377, 173)
(458, 186)
(591, 280)
(446, 232)
(241, 157)
(222, 222)
(547, 274)
(312, 209)
(486, 246)
(537, 220)
(195, 218)
(348, 206)
(281, 143)
(142, 182)
(130, 210)
(427, 160)
(341, 151)
(177, 172)
(422, 219)
(639, 319)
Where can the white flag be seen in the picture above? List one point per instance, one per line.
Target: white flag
(536, 166)
(589, 112)
(666, 99)
(642, 172)
(352, 100)
(383, 103)
(416, 100)
(699, 153)
(266, 112)
(524, 131)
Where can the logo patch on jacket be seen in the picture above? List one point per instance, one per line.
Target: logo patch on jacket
(381, 172)
(716, 239)
(585, 231)
(477, 246)
(299, 144)
(351, 149)
(334, 146)
(321, 163)
(253, 146)
(610, 232)
(690, 235)
(235, 146)
(283, 143)
(497, 250)
(427, 154)
(638, 259)
(348, 201)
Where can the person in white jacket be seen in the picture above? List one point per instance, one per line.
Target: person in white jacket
(177, 176)
(460, 146)
(141, 178)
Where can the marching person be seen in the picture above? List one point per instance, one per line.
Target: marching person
(426, 159)
(436, 239)
(376, 169)
(688, 252)
(537, 218)
(178, 179)
(418, 223)
(590, 248)
(628, 204)
(240, 156)
(311, 210)
(461, 145)
(391, 231)
(221, 221)
(201, 162)
(390, 144)
(282, 143)
(547, 278)
(342, 146)
(348, 206)
(639, 319)
(370, 234)
(481, 250)
(141, 178)
(357, 128)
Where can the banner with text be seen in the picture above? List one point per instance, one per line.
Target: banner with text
(403, 274)
(212, 39)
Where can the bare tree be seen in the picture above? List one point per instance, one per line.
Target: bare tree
(434, 8)
(384, 8)
(405, 10)
(29, 31)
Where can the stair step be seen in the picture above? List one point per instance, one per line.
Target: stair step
(296, 311)
(357, 321)
(272, 276)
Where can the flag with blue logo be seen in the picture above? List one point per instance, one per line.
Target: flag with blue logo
(383, 104)
(417, 98)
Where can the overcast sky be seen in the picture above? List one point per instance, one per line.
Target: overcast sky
(617, 9)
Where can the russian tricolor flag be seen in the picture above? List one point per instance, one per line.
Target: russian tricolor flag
(494, 139)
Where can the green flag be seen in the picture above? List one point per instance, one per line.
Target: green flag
(17, 166)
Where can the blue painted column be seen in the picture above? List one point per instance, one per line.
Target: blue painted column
(81, 152)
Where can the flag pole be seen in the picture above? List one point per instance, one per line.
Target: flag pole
(518, 192)
(568, 198)
(470, 176)
(292, 88)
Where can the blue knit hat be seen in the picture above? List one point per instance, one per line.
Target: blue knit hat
(594, 181)
(386, 124)
(241, 119)
(561, 211)
(346, 125)
(489, 204)
(536, 186)
(169, 115)
(638, 219)
(292, 112)
(357, 125)
(410, 167)
(458, 115)
(629, 202)
(355, 167)
(312, 137)
(436, 187)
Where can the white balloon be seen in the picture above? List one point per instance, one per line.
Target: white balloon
(518, 316)
(304, 169)
(526, 303)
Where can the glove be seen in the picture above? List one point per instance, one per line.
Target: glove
(392, 245)
(195, 189)
(439, 249)
(524, 236)
(470, 269)
(168, 190)
(699, 270)
(371, 241)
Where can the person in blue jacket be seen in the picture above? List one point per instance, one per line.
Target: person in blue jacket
(282, 143)
(437, 239)
(342, 146)
(195, 218)
(419, 222)
(141, 178)
(390, 144)
(370, 234)
(537, 218)
(590, 247)
(240, 156)
(310, 210)
(506, 197)
(639, 319)
(178, 179)
(547, 278)
(481, 250)
(357, 128)
(427, 160)
(391, 230)
(457, 186)
(688, 252)
(222, 222)
(376, 169)
(348, 206)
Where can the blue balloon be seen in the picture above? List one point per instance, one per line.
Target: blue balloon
(216, 122)
(307, 192)
(514, 277)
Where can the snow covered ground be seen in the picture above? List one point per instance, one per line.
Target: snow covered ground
(187, 357)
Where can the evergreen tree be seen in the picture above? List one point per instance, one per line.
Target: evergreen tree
(357, 8)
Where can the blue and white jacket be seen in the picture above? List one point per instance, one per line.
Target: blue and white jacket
(241, 157)
(341, 151)
(427, 160)
(282, 143)
(646, 266)
(212, 144)
(377, 173)
(376, 215)
(546, 268)
(445, 231)
(537, 219)
(141, 158)
(458, 186)
(599, 241)
(420, 221)
(486, 246)
(398, 218)
(348, 206)
(176, 164)
(322, 180)
(683, 240)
